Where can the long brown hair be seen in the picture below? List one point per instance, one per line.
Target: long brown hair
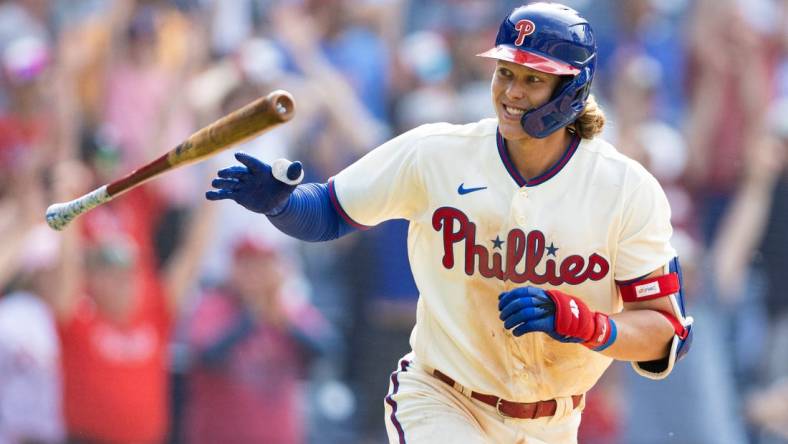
(591, 120)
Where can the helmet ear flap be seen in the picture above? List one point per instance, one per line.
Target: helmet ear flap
(561, 110)
(582, 88)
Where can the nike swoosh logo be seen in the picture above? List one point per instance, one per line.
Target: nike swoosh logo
(462, 190)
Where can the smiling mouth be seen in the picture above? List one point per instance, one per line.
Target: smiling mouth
(512, 112)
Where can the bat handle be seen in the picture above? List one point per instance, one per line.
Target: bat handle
(61, 214)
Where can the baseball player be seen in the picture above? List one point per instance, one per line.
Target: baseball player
(541, 253)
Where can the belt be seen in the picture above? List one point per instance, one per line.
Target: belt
(521, 410)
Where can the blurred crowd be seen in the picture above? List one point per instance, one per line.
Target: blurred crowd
(160, 317)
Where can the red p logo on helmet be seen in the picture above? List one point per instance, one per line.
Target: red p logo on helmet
(525, 27)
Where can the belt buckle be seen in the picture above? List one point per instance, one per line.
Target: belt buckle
(498, 408)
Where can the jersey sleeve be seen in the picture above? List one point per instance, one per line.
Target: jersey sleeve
(644, 240)
(384, 184)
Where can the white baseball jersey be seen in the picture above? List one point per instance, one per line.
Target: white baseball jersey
(478, 229)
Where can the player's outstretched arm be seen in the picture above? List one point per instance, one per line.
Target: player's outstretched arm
(303, 211)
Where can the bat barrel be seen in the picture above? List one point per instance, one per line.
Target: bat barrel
(283, 104)
(239, 126)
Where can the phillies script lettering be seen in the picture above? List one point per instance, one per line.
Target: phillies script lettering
(520, 248)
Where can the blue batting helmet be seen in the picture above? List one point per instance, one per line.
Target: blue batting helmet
(551, 38)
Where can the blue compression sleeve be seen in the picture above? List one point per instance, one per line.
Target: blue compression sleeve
(309, 215)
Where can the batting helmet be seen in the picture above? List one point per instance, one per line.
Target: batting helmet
(551, 38)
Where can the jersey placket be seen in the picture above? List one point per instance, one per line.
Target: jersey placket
(524, 350)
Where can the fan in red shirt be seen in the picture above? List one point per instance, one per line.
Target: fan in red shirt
(114, 348)
(115, 330)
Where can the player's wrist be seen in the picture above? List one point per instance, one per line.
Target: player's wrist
(279, 209)
(575, 320)
(605, 332)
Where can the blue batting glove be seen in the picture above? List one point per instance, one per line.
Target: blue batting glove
(257, 186)
(528, 309)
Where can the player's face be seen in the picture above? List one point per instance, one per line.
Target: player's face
(515, 90)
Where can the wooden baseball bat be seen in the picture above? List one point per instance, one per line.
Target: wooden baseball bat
(243, 124)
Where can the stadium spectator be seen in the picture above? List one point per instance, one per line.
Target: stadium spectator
(251, 339)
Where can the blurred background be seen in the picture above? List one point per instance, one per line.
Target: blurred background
(161, 318)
